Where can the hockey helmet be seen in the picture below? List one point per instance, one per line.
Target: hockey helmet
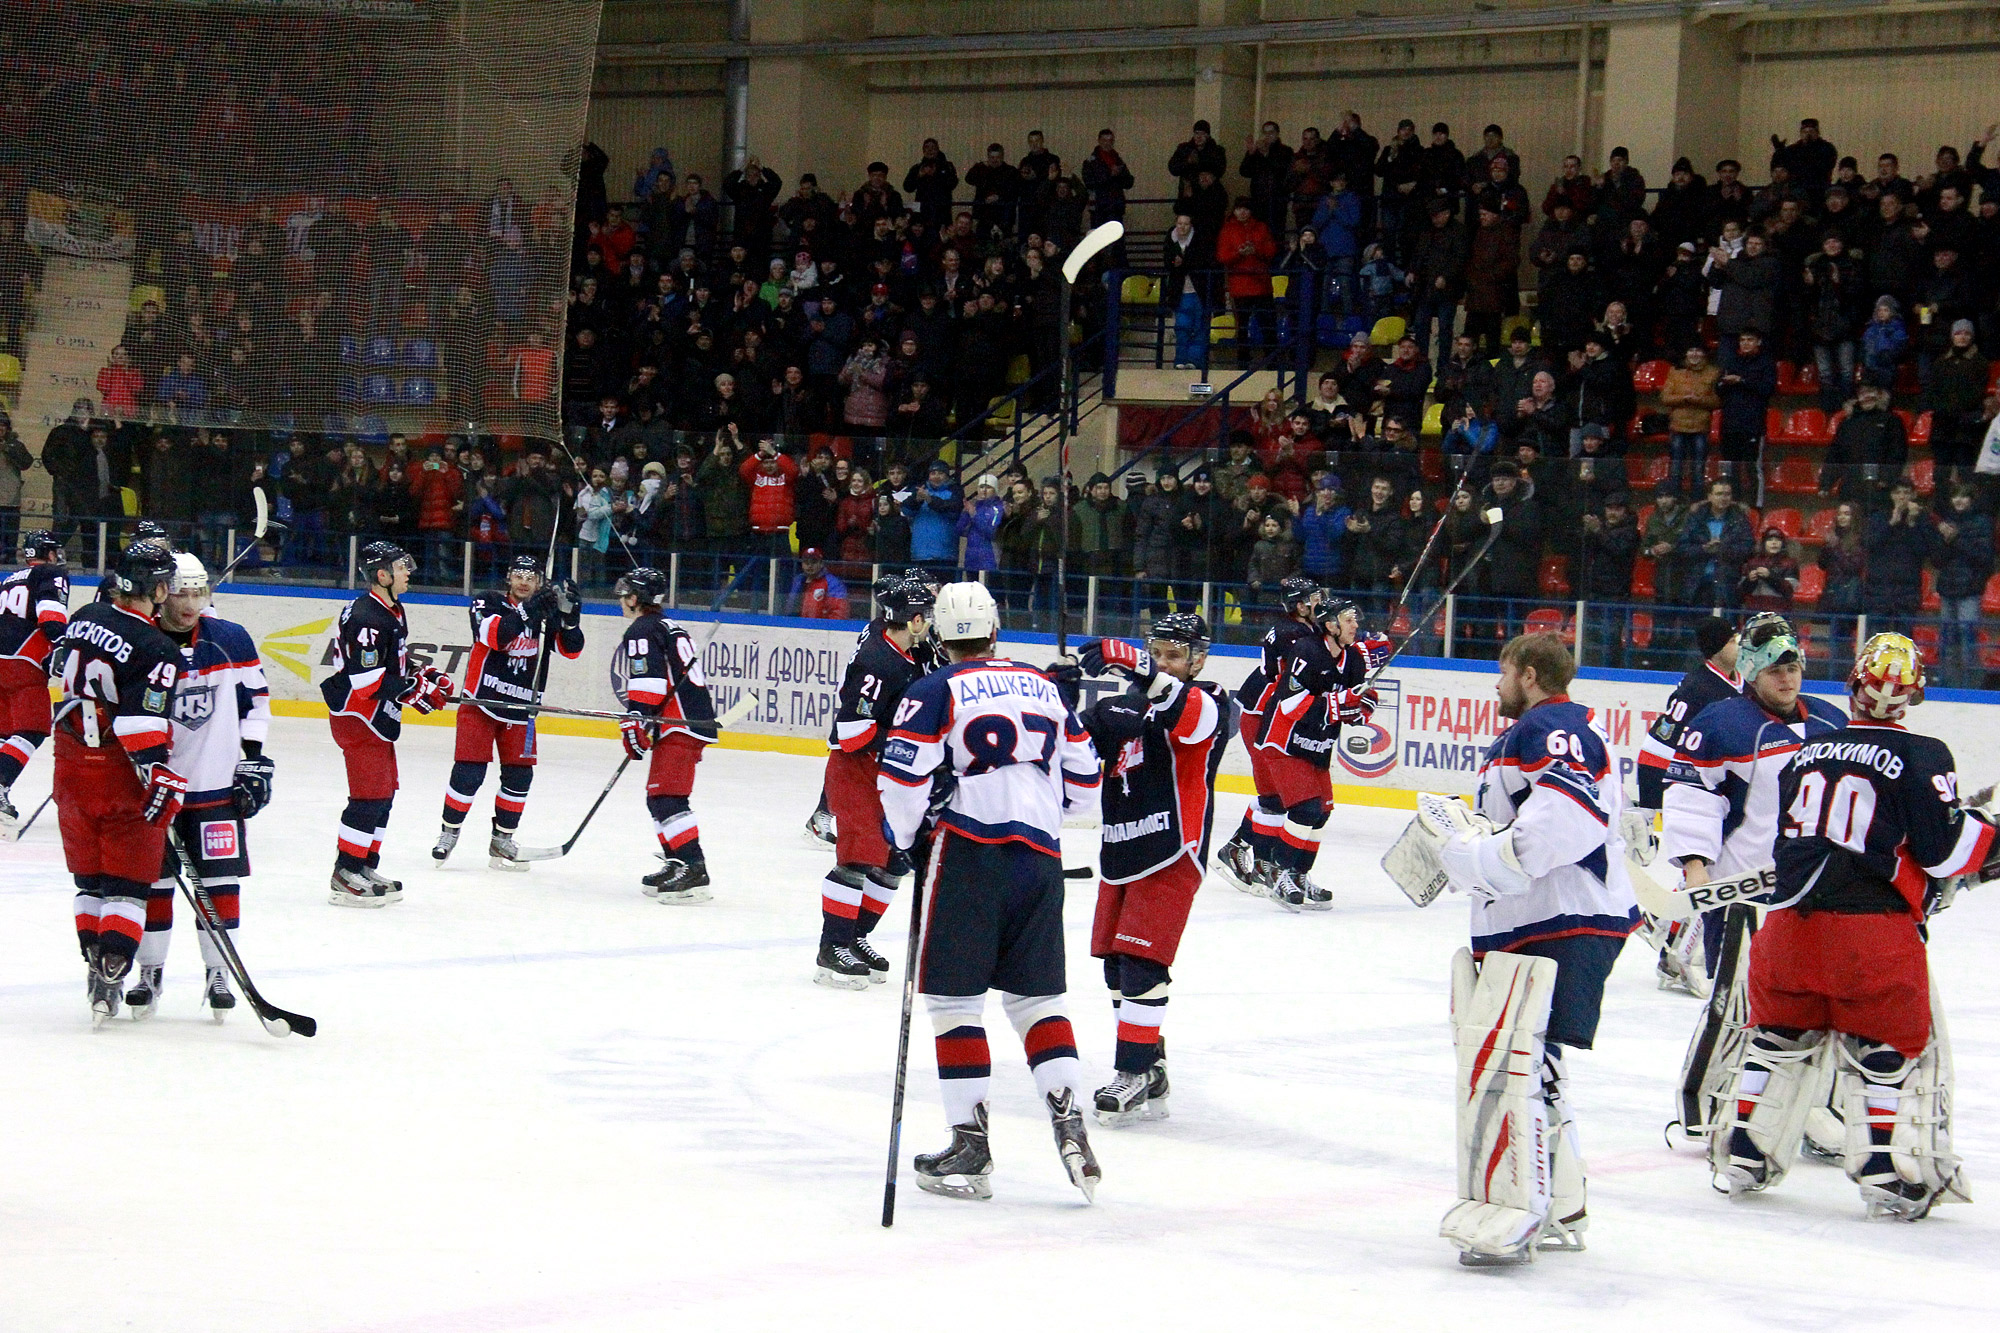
(146, 530)
(41, 544)
(1768, 640)
(1186, 627)
(524, 564)
(142, 567)
(377, 556)
(1296, 591)
(918, 574)
(646, 584)
(190, 575)
(903, 599)
(1328, 613)
(1888, 678)
(965, 611)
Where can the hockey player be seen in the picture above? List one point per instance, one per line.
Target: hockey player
(1551, 906)
(1871, 817)
(116, 788)
(1161, 743)
(34, 609)
(144, 531)
(221, 719)
(371, 684)
(1305, 687)
(656, 674)
(1714, 680)
(513, 631)
(991, 746)
(862, 885)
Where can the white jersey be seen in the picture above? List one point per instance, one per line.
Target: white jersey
(1001, 731)
(1721, 790)
(221, 701)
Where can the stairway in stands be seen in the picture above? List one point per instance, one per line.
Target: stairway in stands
(79, 317)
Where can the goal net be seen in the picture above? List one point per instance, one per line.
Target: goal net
(340, 216)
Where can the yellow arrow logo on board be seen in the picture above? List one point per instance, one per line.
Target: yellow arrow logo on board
(292, 648)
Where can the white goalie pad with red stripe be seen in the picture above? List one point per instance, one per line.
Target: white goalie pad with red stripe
(1500, 1018)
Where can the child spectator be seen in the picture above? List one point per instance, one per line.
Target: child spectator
(1381, 284)
(1273, 559)
(1885, 341)
(1770, 576)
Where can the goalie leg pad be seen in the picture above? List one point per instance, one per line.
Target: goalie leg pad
(1898, 1113)
(1500, 1012)
(1781, 1078)
(1716, 1049)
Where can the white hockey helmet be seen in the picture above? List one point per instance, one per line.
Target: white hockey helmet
(189, 574)
(965, 611)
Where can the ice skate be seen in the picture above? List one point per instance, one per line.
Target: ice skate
(1157, 1087)
(10, 818)
(1317, 899)
(1237, 864)
(968, 1158)
(107, 988)
(1126, 1099)
(1747, 1171)
(1287, 890)
(1073, 1143)
(216, 994)
(353, 888)
(142, 1000)
(878, 966)
(821, 832)
(447, 840)
(840, 969)
(502, 851)
(678, 882)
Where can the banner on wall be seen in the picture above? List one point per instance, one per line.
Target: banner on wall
(1433, 725)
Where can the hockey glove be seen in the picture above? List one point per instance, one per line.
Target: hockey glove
(1128, 660)
(637, 733)
(569, 604)
(165, 790)
(1354, 707)
(429, 691)
(251, 791)
(1375, 649)
(1068, 677)
(541, 608)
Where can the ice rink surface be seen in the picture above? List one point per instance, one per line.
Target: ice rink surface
(544, 1102)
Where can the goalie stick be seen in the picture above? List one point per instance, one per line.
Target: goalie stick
(1717, 1045)
(278, 1022)
(1494, 518)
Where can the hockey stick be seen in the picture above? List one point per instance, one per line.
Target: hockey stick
(22, 831)
(1494, 518)
(278, 1022)
(262, 526)
(932, 861)
(1437, 529)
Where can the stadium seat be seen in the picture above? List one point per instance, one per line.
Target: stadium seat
(1810, 643)
(1520, 322)
(1926, 637)
(10, 372)
(1018, 371)
(1907, 381)
(378, 390)
(1400, 626)
(1920, 429)
(1388, 330)
(1647, 473)
(333, 425)
(1547, 620)
(1432, 463)
(420, 354)
(1222, 328)
(1642, 629)
(1138, 289)
(419, 391)
(1326, 331)
(145, 292)
(1351, 325)
(347, 390)
(1433, 420)
(1930, 601)
(1555, 576)
(1808, 426)
(1643, 586)
(1924, 473)
(380, 351)
(1990, 603)
(1794, 476)
(371, 430)
(283, 424)
(1649, 376)
(350, 349)
(1635, 429)
(1281, 283)
(1820, 527)
(1812, 585)
(1797, 379)
(1788, 521)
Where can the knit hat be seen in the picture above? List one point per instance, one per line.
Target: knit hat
(1961, 326)
(1096, 478)
(1202, 126)
(1712, 634)
(1682, 164)
(1440, 128)
(654, 469)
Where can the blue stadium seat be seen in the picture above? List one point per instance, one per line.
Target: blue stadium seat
(419, 392)
(348, 391)
(378, 390)
(334, 425)
(381, 351)
(420, 354)
(350, 350)
(371, 430)
(283, 424)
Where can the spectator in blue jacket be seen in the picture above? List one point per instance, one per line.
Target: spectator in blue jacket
(1884, 340)
(933, 510)
(978, 521)
(1337, 223)
(1322, 529)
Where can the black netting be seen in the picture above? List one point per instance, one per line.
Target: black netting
(350, 216)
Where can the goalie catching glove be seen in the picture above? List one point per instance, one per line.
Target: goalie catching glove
(637, 733)
(429, 691)
(1448, 846)
(165, 791)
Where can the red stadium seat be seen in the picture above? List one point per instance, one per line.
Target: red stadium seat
(1648, 376)
(1809, 642)
(1931, 604)
(1920, 429)
(1777, 426)
(1642, 629)
(1555, 576)
(1787, 521)
(1800, 379)
(1820, 529)
(1990, 603)
(1642, 580)
(1924, 473)
(1808, 426)
(1812, 585)
(1647, 473)
(1794, 476)
(1907, 381)
(1549, 621)
(1926, 638)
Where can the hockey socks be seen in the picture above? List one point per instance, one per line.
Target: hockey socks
(1299, 834)
(1139, 1003)
(1048, 1040)
(110, 916)
(466, 779)
(1258, 830)
(363, 824)
(459, 792)
(965, 1062)
(15, 752)
(674, 822)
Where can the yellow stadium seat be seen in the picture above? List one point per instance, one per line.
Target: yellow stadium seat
(1017, 370)
(145, 292)
(10, 369)
(1388, 329)
(1138, 289)
(1003, 411)
(1281, 284)
(1222, 328)
(1518, 322)
(1433, 420)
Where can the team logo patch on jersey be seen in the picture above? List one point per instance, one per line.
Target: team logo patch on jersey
(154, 702)
(900, 752)
(194, 708)
(369, 657)
(218, 841)
(1369, 750)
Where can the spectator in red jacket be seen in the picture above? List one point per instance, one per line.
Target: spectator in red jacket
(120, 386)
(853, 520)
(438, 488)
(817, 594)
(771, 477)
(1245, 250)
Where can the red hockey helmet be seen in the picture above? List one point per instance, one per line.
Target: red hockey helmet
(1887, 679)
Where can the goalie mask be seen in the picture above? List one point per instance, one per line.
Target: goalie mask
(1888, 678)
(1768, 640)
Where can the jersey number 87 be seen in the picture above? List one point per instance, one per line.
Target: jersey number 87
(994, 742)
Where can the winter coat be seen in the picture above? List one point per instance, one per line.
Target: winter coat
(1513, 568)
(436, 491)
(1768, 594)
(1865, 439)
(1249, 276)
(814, 510)
(1492, 267)
(979, 525)
(1698, 566)
(852, 519)
(1272, 561)
(866, 405)
(934, 524)
(772, 483)
(1604, 564)
(1099, 533)
(892, 538)
(1893, 584)
(1749, 290)
(1954, 389)
(1153, 525)
(1337, 223)
(1440, 252)
(1745, 403)
(1964, 563)
(1324, 535)
(1689, 397)
(725, 498)
(1374, 552)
